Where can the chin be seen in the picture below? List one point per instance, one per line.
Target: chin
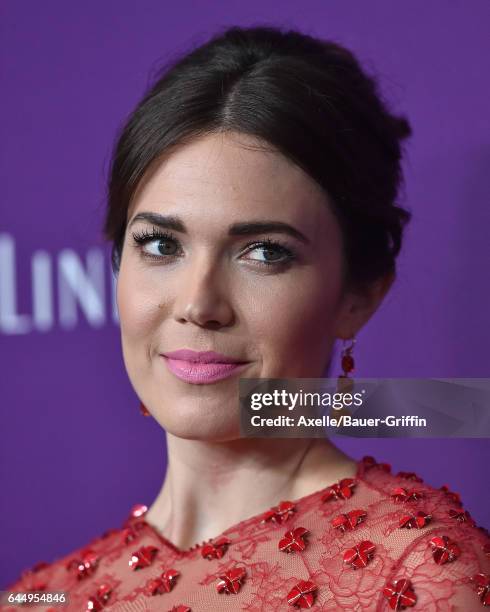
(201, 434)
(199, 424)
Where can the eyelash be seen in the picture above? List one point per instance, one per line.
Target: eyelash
(144, 237)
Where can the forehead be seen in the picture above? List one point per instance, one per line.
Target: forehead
(229, 177)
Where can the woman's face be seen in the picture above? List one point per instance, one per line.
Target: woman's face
(277, 307)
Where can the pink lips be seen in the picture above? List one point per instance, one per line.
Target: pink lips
(201, 367)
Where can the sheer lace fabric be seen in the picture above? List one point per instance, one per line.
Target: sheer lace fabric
(359, 541)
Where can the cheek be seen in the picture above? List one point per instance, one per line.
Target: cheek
(137, 301)
(294, 323)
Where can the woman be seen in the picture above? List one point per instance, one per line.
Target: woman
(253, 219)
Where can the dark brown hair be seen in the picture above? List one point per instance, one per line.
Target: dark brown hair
(309, 99)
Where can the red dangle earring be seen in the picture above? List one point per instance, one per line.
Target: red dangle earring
(144, 410)
(345, 383)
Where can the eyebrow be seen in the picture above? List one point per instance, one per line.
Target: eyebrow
(244, 228)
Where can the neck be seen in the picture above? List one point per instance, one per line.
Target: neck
(211, 486)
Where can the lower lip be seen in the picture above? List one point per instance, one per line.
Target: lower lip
(202, 373)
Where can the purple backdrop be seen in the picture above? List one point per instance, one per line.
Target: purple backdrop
(75, 452)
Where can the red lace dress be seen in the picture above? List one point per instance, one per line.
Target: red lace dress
(375, 542)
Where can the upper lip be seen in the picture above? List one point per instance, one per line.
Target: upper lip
(202, 356)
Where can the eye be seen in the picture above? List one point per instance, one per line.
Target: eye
(163, 244)
(274, 252)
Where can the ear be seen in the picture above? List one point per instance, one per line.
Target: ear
(358, 305)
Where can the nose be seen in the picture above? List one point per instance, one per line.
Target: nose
(202, 296)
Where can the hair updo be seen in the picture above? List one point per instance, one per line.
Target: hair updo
(310, 100)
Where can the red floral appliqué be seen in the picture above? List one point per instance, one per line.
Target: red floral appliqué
(454, 497)
(163, 583)
(180, 608)
(215, 549)
(415, 520)
(37, 585)
(360, 555)
(444, 550)
(100, 599)
(130, 533)
(294, 540)
(302, 594)
(482, 586)
(410, 476)
(143, 557)
(280, 513)
(85, 566)
(230, 582)
(406, 495)
(340, 490)
(108, 532)
(38, 566)
(137, 511)
(400, 594)
(369, 462)
(134, 523)
(463, 516)
(349, 521)
(34, 583)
